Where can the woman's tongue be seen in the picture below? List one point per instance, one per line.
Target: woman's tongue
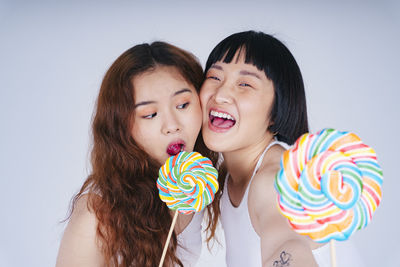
(174, 149)
(222, 123)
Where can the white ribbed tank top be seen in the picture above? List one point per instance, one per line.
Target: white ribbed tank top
(242, 242)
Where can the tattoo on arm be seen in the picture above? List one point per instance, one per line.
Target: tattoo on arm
(284, 260)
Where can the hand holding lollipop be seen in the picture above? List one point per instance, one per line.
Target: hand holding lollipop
(329, 185)
(187, 183)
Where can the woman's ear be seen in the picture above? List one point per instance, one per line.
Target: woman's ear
(271, 124)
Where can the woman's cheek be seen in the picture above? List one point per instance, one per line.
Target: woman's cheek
(204, 95)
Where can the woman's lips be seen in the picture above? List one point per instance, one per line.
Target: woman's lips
(175, 147)
(220, 121)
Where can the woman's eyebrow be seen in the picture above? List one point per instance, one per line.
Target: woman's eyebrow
(215, 66)
(144, 103)
(184, 90)
(245, 72)
(242, 72)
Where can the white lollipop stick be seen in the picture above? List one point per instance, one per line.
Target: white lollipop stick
(168, 238)
(333, 253)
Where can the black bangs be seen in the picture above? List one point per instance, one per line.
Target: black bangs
(257, 51)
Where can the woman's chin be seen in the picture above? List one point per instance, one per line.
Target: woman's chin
(214, 144)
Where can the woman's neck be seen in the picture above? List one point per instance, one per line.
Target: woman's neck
(241, 163)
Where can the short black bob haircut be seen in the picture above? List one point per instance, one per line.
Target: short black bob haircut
(268, 54)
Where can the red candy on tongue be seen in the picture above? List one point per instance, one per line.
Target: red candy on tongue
(174, 149)
(222, 123)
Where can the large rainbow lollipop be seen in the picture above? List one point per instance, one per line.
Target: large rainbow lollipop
(187, 183)
(329, 185)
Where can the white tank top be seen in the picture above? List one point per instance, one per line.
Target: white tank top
(242, 242)
(190, 242)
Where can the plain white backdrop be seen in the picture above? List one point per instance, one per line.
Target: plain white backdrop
(53, 56)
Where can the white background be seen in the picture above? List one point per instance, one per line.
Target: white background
(54, 55)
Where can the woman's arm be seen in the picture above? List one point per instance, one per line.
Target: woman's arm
(182, 222)
(280, 245)
(79, 245)
(291, 253)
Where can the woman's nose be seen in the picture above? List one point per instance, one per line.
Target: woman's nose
(223, 94)
(170, 124)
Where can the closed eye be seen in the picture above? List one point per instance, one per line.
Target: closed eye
(182, 106)
(150, 116)
(213, 78)
(245, 85)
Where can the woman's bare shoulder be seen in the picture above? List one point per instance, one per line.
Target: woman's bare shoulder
(79, 245)
(262, 187)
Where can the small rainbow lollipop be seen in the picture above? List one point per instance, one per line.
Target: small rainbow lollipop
(187, 183)
(329, 185)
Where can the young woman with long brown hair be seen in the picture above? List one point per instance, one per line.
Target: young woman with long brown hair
(147, 110)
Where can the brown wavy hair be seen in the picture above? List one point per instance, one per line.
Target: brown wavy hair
(133, 222)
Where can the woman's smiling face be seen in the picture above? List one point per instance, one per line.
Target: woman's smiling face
(237, 99)
(167, 116)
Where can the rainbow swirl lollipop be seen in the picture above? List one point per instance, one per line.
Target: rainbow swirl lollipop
(187, 182)
(329, 185)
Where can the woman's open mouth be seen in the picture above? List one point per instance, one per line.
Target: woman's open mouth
(221, 121)
(175, 147)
